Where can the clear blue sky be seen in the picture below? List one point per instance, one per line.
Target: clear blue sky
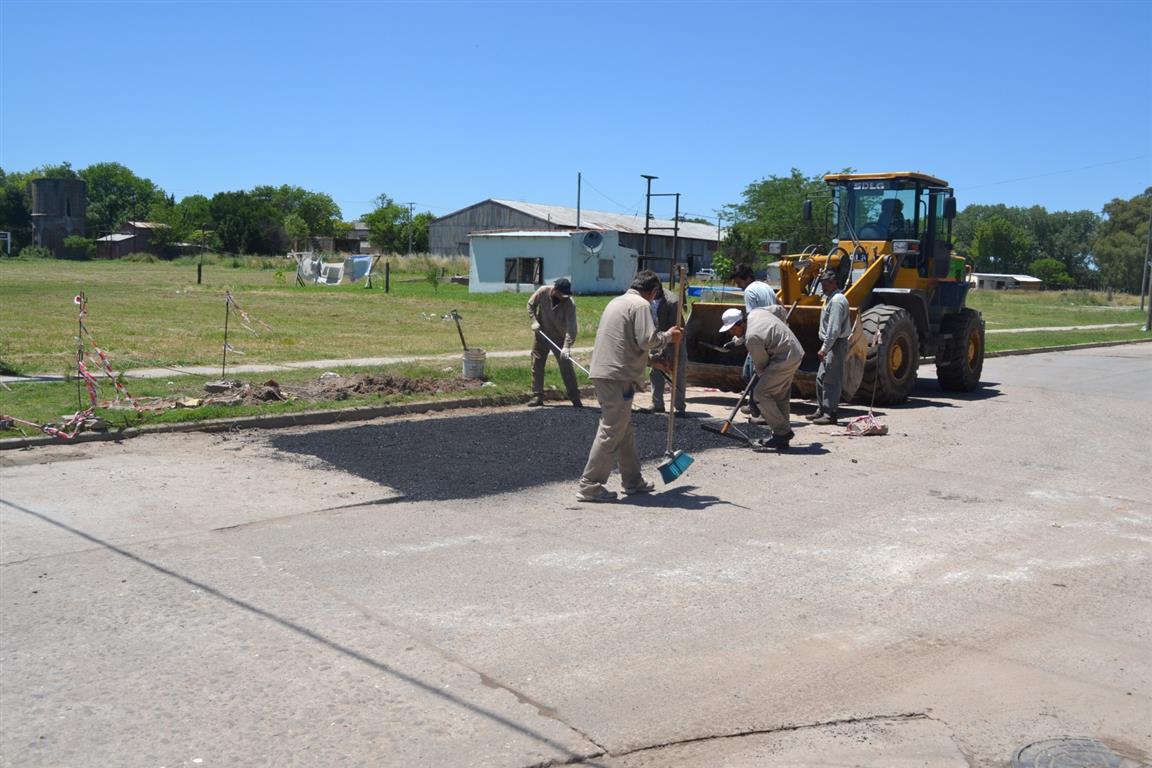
(448, 103)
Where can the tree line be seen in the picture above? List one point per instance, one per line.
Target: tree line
(1066, 249)
(266, 220)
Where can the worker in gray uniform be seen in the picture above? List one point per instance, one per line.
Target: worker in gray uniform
(776, 354)
(835, 329)
(553, 314)
(665, 312)
(625, 340)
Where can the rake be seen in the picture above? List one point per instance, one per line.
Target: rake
(675, 462)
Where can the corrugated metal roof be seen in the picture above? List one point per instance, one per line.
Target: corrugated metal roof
(561, 216)
(117, 238)
(522, 233)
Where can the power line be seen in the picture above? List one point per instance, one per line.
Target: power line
(1054, 173)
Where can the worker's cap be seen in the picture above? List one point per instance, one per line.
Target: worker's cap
(829, 274)
(563, 285)
(730, 318)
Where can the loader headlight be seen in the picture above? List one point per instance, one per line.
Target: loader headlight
(903, 247)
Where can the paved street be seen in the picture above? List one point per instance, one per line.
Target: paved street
(426, 591)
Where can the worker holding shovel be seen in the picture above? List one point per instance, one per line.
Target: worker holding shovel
(624, 340)
(553, 315)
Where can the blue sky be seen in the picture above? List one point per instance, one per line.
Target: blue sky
(448, 103)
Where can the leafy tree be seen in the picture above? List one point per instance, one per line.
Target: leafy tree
(722, 264)
(1001, 246)
(117, 195)
(318, 211)
(1122, 244)
(15, 209)
(773, 209)
(244, 223)
(296, 229)
(1052, 272)
(389, 225)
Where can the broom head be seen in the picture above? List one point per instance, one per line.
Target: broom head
(674, 466)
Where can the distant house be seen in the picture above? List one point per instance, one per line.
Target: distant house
(684, 242)
(1006, 282)
(133, 237)
(594, 261)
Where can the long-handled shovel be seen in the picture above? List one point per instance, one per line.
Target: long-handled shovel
(726, 428)
(676, 462)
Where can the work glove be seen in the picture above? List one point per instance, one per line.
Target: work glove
(535, 325)
(566, 353)
(735, 341)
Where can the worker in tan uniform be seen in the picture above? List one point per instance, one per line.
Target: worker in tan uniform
(625, 340)
(553, 315)
(776, 354)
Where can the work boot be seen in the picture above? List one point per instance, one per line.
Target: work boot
(536, 402)
(602, 496)
(577, 403)
(646, 486)
(657, 407)
(825, 419)
(814, 416)
(779, 442)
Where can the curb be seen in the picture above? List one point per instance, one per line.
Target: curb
(281, 420)
(1064, 348)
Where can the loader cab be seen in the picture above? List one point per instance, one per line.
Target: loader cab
(909, 214)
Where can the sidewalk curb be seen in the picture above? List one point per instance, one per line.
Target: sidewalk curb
(282, 420)
(365, 413)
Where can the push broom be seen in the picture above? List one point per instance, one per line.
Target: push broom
(675, 462)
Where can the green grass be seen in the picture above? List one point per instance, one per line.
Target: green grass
(153, 314)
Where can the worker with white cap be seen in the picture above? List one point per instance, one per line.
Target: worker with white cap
(776, 354)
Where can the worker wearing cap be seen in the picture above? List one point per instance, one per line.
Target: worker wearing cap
(776, 354)
(757, 293)
(835, 328)
(553, 315)
(665, 312)
(625, 339)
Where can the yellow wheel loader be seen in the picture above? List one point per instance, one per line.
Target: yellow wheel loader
(892, 251)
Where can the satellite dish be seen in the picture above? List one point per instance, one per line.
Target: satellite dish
(593, 242)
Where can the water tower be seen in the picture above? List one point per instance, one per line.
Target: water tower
(58, 210)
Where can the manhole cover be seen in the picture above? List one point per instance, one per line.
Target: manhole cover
(1071, 753)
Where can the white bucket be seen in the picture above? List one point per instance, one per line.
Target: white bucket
(474, 363)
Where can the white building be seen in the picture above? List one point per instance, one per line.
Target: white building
(1000, 282)
(594, 261)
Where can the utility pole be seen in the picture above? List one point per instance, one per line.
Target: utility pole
(1147, 263)
(647, 217)
(410, 207)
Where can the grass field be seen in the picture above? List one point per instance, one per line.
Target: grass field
(153, 315)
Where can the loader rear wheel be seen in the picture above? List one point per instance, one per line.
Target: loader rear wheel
(890, 367)
(960, 363)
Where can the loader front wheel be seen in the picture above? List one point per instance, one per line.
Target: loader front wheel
(960, 363)
(893, 355)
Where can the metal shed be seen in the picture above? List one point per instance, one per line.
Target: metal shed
(695, 242)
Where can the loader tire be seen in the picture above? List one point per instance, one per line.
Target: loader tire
(890, 367)
(961, 361)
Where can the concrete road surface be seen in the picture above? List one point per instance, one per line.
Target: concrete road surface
(428, 592)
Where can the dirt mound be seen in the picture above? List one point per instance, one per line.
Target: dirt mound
(343, 387)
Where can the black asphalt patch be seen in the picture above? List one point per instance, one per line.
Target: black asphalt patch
(466, 457)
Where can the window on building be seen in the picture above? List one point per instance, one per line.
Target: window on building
(606, 270)
(530, 270)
